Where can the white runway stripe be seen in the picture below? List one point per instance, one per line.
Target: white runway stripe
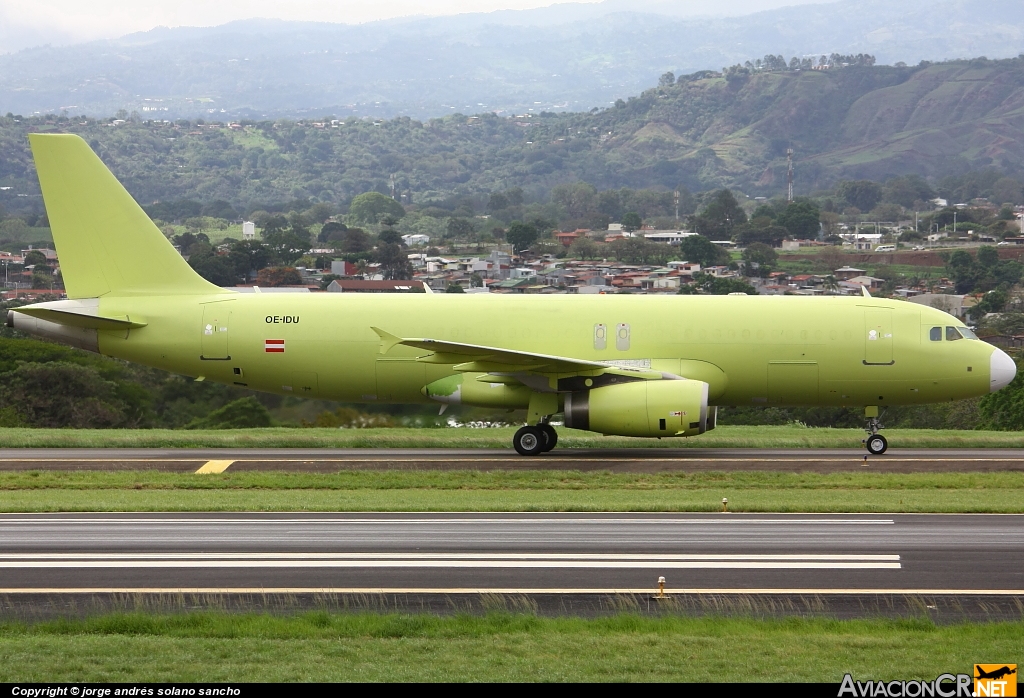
(449, 564)
(445, 561)
(434, 556)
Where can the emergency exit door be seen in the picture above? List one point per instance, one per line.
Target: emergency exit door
(878, 337)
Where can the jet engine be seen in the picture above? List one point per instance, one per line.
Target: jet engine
(642, 408)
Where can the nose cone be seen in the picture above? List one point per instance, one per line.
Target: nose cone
(1001, 370)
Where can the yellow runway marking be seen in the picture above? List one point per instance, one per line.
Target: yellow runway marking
(214, 466)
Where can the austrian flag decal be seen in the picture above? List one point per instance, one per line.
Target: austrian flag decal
(273, 346)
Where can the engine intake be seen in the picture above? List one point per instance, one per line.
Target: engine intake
(643, 408)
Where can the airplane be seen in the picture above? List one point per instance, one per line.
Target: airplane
(994, 674)
(647, 366)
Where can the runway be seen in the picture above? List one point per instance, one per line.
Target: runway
(512, 553)
(646, 460)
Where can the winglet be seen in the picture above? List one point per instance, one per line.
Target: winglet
(864, 291)
(387, 340)
(426, 288)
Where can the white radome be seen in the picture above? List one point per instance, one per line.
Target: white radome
(1001, 370)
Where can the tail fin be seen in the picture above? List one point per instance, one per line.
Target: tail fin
(105, 242)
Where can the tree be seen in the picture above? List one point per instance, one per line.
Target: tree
(720, 217)
(36, 258)
(963, 271)
(716, 286)
(771, 235)
(992, 302)
(454, 288)
(988, 256)
(331, 231)
(667, 79)
(372, 206)
(61, 394)
(1004, 409)
(699, 249)
(243, 413)
(762, 256)
(862, 194)
(390, 236)
(216, 269)
(249, 256)
(394, 261)
(278, 276)
(274, 224)
(496, 202)
(578, 199)
(459, 228)
(521, 236)
(286, 245)
(356, 240)
(583, 248)
(631, 221)
(801, 219)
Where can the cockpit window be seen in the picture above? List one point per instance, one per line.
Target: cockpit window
(952, 334)
(968, 334)
(935, 334)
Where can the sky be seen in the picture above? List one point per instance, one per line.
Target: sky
(26, 23)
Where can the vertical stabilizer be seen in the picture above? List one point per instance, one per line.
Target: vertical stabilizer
(105, 242)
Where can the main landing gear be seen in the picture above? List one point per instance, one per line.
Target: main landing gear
(875, 442)
(532, 441)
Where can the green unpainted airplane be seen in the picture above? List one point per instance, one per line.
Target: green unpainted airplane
(654, 366)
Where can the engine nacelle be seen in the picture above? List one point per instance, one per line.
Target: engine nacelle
(643, 408)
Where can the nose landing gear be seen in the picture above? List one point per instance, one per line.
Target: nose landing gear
(876, 443)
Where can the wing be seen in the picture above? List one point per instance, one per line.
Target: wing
(520, 365)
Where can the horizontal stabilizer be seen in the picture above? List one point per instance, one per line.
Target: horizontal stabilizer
(79, 313)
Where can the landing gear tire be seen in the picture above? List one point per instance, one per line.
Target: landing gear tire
(529, 441)
(550, 436)
(877, 444)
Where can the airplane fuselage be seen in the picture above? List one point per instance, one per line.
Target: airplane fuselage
(752, 350)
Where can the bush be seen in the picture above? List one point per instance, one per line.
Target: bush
(244, 413)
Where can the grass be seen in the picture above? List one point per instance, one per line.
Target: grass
(464, 437)
(319, 646)
(747, 491)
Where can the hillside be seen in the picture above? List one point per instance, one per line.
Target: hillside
(704, 131)
(561, 58)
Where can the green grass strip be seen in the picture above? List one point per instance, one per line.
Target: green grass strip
(321, 646)
(747, 491)
(464, 437)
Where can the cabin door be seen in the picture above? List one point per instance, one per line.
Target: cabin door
(216, 318)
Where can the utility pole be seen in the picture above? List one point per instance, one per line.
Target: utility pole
(675, 199)
(393, 187)
(789, 174)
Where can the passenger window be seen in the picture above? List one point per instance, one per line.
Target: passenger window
(952, 335)
(936, 334)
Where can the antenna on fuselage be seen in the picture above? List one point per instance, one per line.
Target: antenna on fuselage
(864, 291)
(426, 288)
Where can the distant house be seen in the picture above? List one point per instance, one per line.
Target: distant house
(416, 239)
(384, 286)
(568, 237)
(847, 273)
